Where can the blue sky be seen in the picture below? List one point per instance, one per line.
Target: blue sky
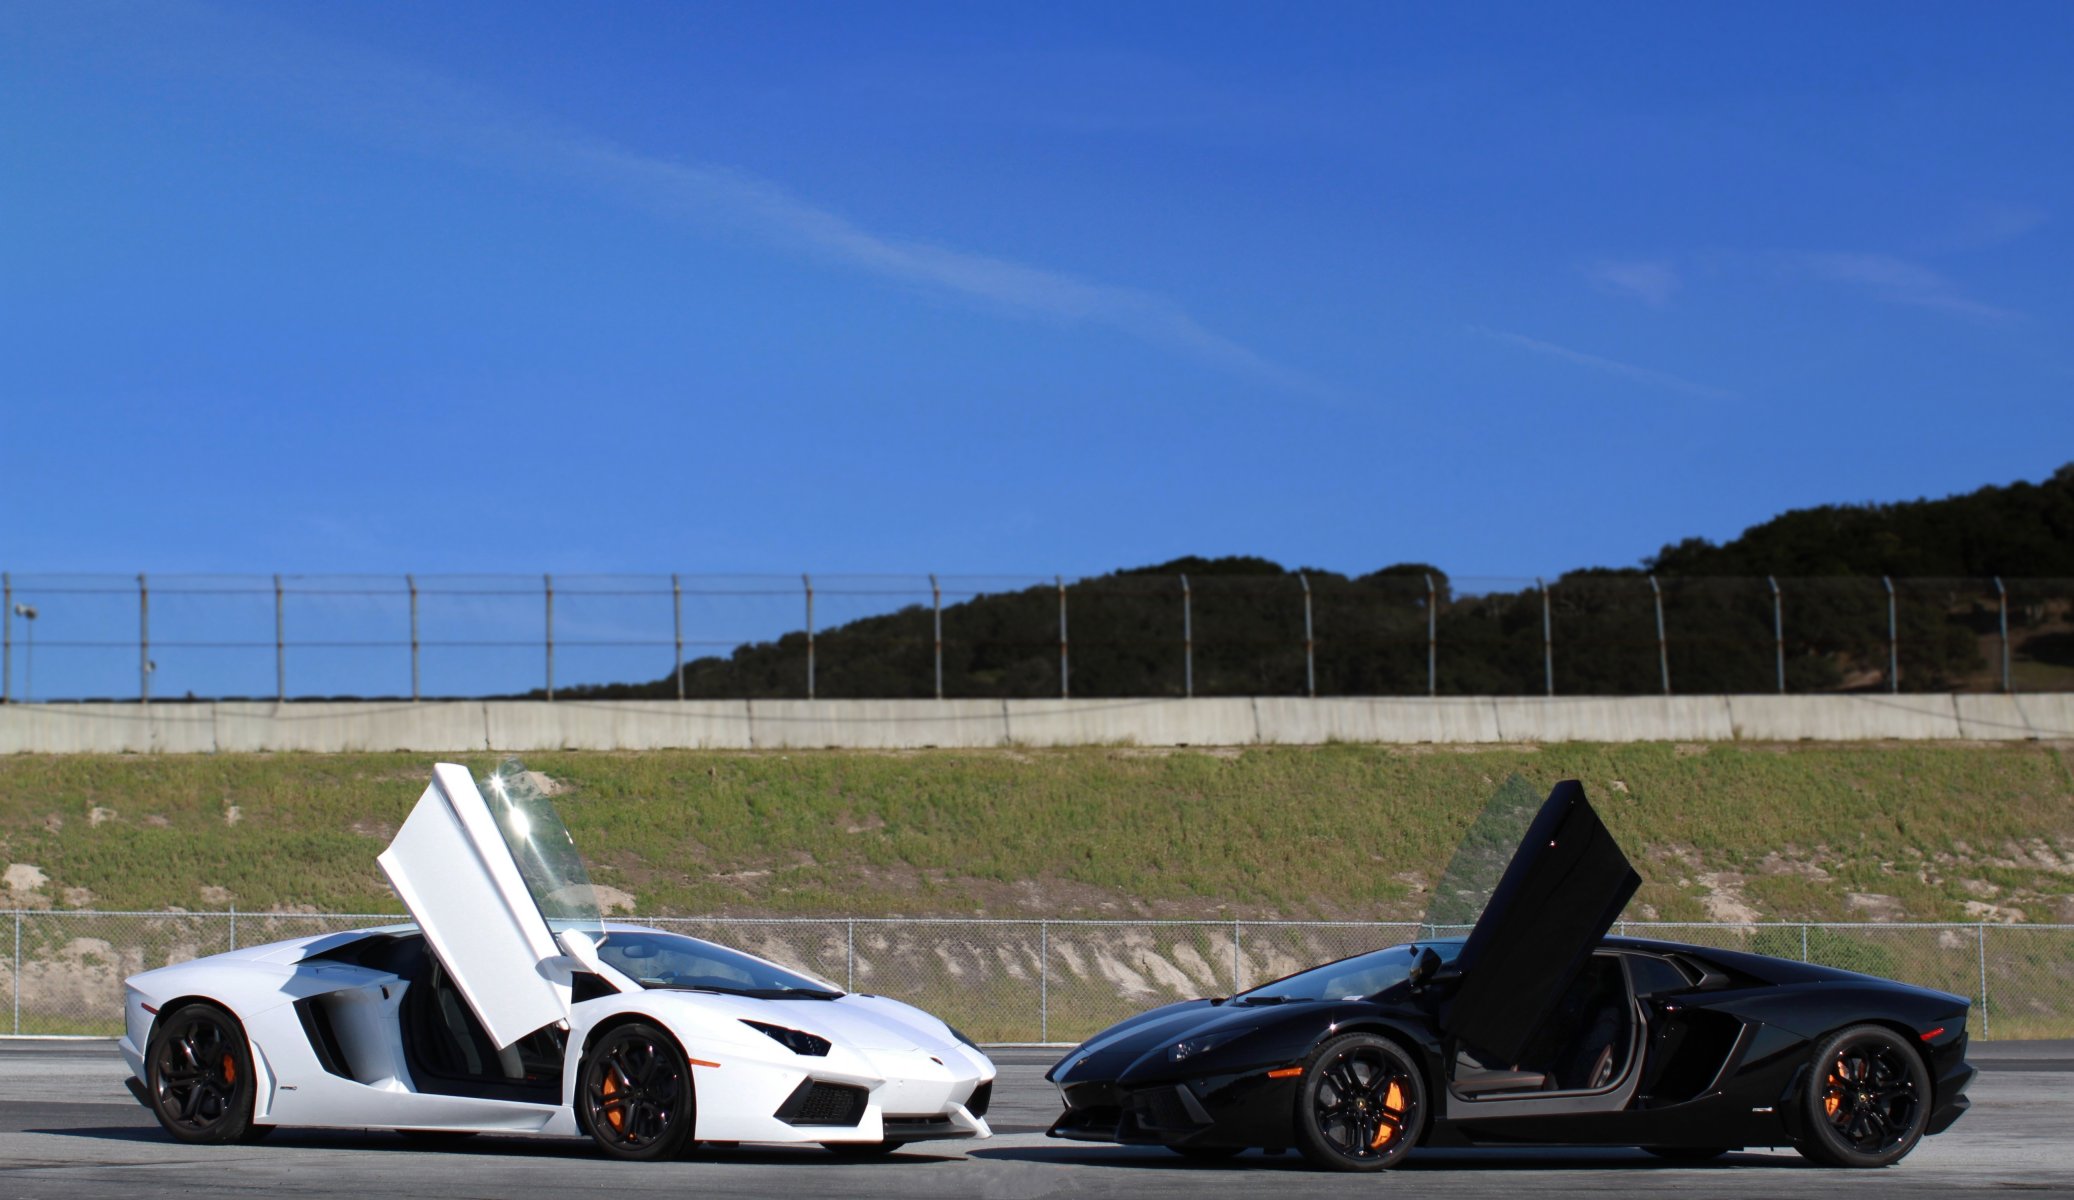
(1013, 288)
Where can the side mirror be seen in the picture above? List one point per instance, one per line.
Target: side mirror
(1423, 971)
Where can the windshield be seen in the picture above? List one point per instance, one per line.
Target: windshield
(671, 960)
(541, 846)
(1355, 978)
(1481, 857)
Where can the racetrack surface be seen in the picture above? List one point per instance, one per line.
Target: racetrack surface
(69, 1131)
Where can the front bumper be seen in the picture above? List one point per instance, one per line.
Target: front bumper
(1237, 1110)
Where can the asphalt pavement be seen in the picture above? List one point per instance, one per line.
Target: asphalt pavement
(69, 1131)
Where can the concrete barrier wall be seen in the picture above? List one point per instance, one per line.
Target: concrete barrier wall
(901, 724)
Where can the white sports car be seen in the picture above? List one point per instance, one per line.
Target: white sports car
(510, 1006)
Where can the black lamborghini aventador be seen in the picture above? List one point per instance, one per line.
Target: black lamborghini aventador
(1536, 1028)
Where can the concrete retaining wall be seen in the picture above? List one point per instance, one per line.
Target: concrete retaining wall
(899, 724)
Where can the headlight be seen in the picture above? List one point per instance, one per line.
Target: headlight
(1191, 1047)
(960, 1035)
(796, 1040)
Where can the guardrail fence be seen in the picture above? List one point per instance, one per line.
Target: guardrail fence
(172, 637)
(1046, 980)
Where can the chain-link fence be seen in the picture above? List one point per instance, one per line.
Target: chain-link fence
(83, 637)
(1044, 980)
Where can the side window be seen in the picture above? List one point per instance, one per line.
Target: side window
(1656, 976)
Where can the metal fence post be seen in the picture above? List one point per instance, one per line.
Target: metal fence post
(1187, 639)
(808, 581)
(1547, 639)
(411, 582)
(2002, 599)
(233, 926)
(280, 648)
(1981, 933)
(6, 639)
(677, 627)
(17, 972)
(1432, 639)
(850, 977)
(1893, 639)
(1778, 631)
(1804, 943)
(1310, 662)
(548, 581)
(1065, 676)
(936, 626)
(1663, 650)
(143, 640)
(1236, 968)
(1044, 981)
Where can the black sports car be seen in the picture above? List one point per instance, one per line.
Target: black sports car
(1536, 1028)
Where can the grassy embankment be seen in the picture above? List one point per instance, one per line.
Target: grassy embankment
(1805, 832)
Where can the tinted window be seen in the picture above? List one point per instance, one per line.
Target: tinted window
(1351, 978)
(1656, 975)
(670, 960)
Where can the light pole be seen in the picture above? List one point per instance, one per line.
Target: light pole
(27, 612)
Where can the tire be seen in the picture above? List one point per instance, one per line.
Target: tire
(1867, 1099)
(635, 1095)
(1362, 1105)
(198, 1075)
(1208, 1153)
(1687, 1154)
(861, 1149)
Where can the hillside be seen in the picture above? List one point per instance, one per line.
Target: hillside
(1370, 630)
(1726, 832)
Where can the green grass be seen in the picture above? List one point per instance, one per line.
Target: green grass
(1355, 832)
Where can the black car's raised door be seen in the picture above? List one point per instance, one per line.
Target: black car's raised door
(1559, 895)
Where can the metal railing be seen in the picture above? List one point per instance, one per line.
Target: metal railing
(156, 638)
(1043, 980)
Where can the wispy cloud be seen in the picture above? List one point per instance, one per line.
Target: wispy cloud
(406, 105)
(1629, 371)
(1652, 281)
(1894, 280)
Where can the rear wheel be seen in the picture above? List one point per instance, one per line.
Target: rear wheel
(198, 1073)
(1362, 1105)
(636, 1094)
(1867, 1099)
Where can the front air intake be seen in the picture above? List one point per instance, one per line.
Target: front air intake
(817, 1103)
(981, 1097)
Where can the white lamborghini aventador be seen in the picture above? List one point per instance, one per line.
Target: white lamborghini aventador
(510, 1006)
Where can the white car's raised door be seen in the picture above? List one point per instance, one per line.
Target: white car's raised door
(455, 872)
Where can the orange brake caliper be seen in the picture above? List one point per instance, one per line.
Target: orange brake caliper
(613, 1114)
(230, 1069)
(1393, 1104)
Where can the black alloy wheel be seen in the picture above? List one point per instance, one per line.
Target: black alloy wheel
(1866, 1101)
(198, 1073)
(636, 1098)
(1362, 1106)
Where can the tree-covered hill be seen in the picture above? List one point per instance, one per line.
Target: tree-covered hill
(1237, 626)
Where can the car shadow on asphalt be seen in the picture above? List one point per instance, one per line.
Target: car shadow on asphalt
(496, 1145)
(1539, 1158)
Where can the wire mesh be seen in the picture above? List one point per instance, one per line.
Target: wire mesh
(1044, 980)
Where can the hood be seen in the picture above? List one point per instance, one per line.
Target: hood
(1121, 1049)
(859, 1022)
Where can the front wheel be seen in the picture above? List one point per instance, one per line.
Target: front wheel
(1362, 1106)
(1867, 1099)
(198, 1073)
(636, 1095)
